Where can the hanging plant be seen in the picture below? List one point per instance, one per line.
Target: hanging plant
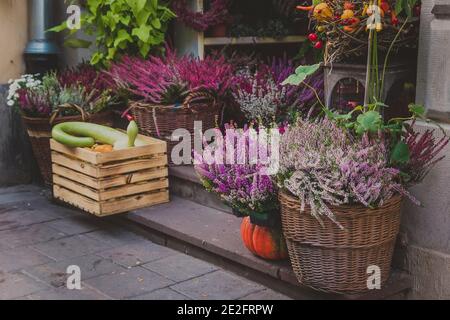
(200, 21)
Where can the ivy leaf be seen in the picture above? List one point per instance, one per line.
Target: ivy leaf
(400, 153)
(77, 43)
(301, 73)
(369, 121)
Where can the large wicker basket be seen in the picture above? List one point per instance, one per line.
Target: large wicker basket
(160, 121)
(329, 259)
(39, 131)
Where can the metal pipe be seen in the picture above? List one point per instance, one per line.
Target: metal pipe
(41, 51)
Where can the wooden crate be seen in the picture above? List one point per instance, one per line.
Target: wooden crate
(110, 183)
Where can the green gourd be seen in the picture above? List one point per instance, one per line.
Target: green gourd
(82, 134)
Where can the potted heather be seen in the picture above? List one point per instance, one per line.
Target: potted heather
(76, 94)
(342, 181)
(250, 192)
(171, 92)
(341, 195)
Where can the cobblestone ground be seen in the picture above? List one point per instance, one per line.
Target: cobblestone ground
(39, 240)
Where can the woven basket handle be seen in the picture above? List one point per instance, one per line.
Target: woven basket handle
(84, 115)
(198, 96)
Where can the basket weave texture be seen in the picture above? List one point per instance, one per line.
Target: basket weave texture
(40, 131)
(330, 259)
(160, 121)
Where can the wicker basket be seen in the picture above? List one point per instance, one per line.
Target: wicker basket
(160, 121)
(334, 260)
(40, 131)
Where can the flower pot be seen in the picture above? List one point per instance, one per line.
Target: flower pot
(40, 131)
(330, 259)
(218, 31)
(266, 243)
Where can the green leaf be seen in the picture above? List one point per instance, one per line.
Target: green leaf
(156, 23)
(301, 73)
(122, 36)
(93, 6)
(399, 6)
(111, 53)
(143, 32)
(400, 153)
(142, 17)
(417, 110)
(144, 49)
(97, 57)
(369, 121)
(58, 28)
(77, 43)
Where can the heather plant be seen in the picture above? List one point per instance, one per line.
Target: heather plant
(40, 98)
(262, 101)
(242, 185)
(424, 149)
(169, 79)
(325, 166)
(263, 96)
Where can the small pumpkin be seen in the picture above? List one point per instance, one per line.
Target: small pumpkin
(263, 242)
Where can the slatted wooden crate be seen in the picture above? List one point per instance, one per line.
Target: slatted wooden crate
(110, 183)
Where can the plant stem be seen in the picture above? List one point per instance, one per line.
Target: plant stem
(388, 54)
(368, 71)
(315, 93)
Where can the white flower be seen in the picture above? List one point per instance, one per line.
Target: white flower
(10, 103)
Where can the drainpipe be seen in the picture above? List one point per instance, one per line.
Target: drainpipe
(41, 52)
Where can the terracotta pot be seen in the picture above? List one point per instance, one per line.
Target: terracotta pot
(263, 242)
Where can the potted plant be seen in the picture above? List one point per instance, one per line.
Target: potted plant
(77, 94)
(251, 194)
(341, 195)
(354, 169)
(171, 92)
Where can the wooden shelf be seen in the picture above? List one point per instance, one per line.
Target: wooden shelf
(221, 41)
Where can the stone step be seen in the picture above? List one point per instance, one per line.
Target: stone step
(196, 228)
(184, 182)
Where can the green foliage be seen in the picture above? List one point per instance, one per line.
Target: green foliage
(400, 154)
(121, 26)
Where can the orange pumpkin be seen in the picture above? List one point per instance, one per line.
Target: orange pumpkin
(263, 242)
